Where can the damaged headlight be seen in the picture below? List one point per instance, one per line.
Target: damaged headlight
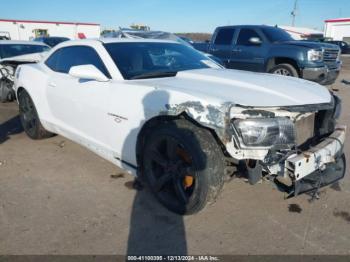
(265, 132)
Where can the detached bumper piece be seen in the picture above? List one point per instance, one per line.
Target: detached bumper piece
(320, 166)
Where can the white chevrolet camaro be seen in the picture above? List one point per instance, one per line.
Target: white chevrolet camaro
(167, 113)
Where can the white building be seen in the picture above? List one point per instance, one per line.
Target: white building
(338, 29)
(302, 33)
(27, 30)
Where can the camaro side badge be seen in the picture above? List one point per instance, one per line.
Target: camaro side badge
(117, 118)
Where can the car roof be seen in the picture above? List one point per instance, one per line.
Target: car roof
(18, 42)
(134, 40)
(109, 41)
(249, 26)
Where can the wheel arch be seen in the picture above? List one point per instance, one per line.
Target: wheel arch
(153, 122)
(274, 61)
(20, 89)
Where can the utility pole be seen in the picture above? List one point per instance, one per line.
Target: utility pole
(294, 12)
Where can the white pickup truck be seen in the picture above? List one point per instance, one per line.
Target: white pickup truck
(165, 112)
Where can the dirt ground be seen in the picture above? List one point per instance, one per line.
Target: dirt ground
(58, 198)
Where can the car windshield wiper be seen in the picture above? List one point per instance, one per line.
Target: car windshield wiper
(154, 75)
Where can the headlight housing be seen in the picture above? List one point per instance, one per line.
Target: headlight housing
(315, 55)
(265, 132)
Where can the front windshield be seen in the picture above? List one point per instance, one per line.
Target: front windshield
(137, 60)
(275, 34)
(10, 50)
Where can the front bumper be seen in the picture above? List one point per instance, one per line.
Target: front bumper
(319, 166)
(322, 75)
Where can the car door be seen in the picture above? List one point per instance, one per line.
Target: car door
(221, 46)
(79, 106)
(249, 51)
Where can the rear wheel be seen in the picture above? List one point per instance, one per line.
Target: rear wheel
(29, 117)
(183, 166)
(285, 70)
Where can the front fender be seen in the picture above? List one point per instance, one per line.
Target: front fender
(215, 117)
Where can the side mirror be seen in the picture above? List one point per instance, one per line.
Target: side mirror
(255, 41)
(88, 72)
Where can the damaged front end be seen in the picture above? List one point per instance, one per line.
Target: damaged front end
(300, 148)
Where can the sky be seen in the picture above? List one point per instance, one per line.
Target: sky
(177, 15)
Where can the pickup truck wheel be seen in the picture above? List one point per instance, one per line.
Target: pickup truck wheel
(183, 165)
(29, 117)
(285, 70)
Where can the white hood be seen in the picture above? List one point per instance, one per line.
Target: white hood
(34, 57)
(244, 88)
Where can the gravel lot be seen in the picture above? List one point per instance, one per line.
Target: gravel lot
(58, 198)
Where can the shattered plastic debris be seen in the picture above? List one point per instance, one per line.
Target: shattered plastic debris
(135, 184)
(294, 208)
(61, 144)
(116, 176)
(346, 82)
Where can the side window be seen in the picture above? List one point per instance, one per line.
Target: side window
(224, 36)
(73, 56)
(51, 62)
(245, 35)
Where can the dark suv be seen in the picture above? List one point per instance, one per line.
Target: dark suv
(271, 49)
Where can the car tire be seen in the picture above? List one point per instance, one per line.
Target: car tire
(285, 70)
(183, 165)
(29, 117)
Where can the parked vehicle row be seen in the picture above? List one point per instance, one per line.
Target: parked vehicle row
(271, 49)
(182, 123)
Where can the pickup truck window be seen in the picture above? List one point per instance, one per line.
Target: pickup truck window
(224, 36)
(276, 34)
(246, 34)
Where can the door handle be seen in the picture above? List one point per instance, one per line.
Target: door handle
(214, 49)
(52, 84)
(237, 50)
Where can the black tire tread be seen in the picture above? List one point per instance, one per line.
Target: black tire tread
(40, 132)
(214, 160)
